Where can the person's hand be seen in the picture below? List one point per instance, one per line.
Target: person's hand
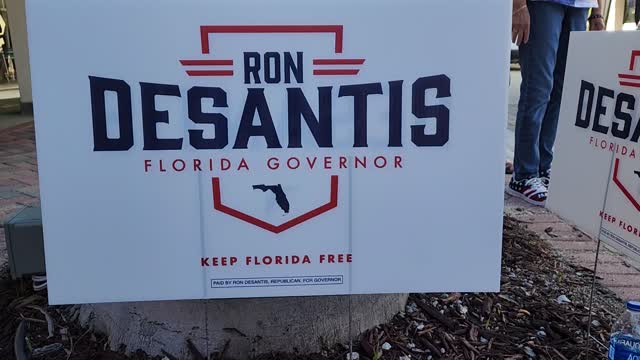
(596, 24)
(521, 24)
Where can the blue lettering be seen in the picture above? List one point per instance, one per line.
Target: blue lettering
(440, 113)
(299, 108)
(151, 116)
(99, 86)
(360, 94)
(219, 121)
(256, 108)
(256, 103)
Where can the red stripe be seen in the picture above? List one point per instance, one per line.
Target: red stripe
(219, 206)
(634, 54)
(206, 62)
(336, 72)
(629, 76)
(625, 83)
(622, 187)
(270, 29)
(210, 72)
(338, 61)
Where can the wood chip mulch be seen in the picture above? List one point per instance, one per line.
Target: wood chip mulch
(541, 313)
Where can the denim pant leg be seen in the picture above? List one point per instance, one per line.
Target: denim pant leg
(537, 63)
(574, 20)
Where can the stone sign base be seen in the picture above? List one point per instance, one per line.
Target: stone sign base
(249, 326)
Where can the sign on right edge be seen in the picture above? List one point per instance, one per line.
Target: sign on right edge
(596, 171)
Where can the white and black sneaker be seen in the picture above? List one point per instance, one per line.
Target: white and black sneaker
(545, 177)
(531, 190)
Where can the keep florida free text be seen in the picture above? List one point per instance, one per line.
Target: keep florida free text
(268, 260)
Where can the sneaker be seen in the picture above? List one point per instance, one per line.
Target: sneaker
(531, 190)
(545, 177)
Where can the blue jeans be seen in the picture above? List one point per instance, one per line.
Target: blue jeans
(542, 61)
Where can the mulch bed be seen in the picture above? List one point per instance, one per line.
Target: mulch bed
(49, 332)
(541, 312)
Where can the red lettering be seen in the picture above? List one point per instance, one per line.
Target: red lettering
(321, 259)
(233, 261)
(248, 260)
(210, 164)
(340, 258)
(243, 164)
(331, 259)
(214, 261)
(147, 165)
(204, 261)
(398, 162)
(297, 162)
(224, 261)
(343, 162)
(267, 260)
(348, 258)
(278, 260)
(311, 163)
(196, 165)
(327, 162)
(380, 165)
(295, 259)
(162, 169)
(178, 168)
(306, 260)
(273, 163)
(362, 162)
(225, 164)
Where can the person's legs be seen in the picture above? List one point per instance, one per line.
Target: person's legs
(537, 63)
(575, 20)
(508, 165)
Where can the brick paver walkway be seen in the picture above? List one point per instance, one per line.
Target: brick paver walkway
(617, 272)
(18, 174)
(19, 188)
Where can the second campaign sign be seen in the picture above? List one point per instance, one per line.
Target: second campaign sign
(245, 148)
(596, 180)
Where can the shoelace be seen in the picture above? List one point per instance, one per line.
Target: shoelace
(537, 185)
(545, 181)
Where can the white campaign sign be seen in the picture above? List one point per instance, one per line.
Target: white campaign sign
(596, 171)
(249, 148)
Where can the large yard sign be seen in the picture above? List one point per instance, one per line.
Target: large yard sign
(249, 148)
(597, 146)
